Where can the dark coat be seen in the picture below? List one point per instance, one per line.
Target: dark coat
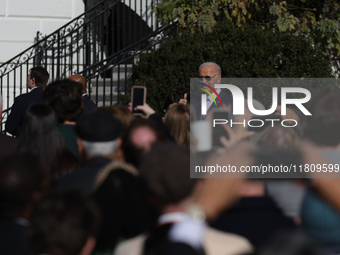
(8, 145)
(255, 218)
(13, 239)
(84, 178)
(89, 105)
(21, 103)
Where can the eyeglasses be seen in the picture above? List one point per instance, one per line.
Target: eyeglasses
(207, 78)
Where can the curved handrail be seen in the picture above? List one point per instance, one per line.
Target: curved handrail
(27, 54)
(127, 52)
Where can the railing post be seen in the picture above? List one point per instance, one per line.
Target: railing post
(58, 55)
(35, 59)
(118, 25)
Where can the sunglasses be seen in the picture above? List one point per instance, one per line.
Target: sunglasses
(207, 78)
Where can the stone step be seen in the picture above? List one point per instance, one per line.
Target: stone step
(106, 87)
(119, 80)
(100, 99)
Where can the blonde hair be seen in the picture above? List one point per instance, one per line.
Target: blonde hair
(120, 112)
(178, 122)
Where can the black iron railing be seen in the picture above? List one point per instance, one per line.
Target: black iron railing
(101, 44)
(122, 62)
(4, 117)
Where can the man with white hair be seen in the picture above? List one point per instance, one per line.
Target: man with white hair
(210, 74)
(98, 139)
(8, 145)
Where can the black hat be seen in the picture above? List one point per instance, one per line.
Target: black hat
(98, 127)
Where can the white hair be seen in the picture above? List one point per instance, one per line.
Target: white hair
(218, 68)
(100, 148)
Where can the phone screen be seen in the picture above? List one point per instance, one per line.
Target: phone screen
(138, 99)
(219, 130)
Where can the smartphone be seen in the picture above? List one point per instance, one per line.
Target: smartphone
(257, 120)
(138, 97)
(220, 115)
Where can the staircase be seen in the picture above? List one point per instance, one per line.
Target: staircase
(102, 44)
(104, 91)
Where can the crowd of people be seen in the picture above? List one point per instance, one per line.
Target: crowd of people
(78, 179)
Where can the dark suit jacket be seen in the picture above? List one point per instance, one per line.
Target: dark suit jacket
(255, 218)
(8, 145)
(84, 178)
(21, 103)
(171, 248)
(89, 105)
(196, 103)
(13, 240)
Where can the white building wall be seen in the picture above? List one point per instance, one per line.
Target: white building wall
(19, 22)
(21, 19)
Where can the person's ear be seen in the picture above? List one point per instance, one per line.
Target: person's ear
(80, 146)
(33, 81)
(219, 78)
(89, 246)
(119, 143)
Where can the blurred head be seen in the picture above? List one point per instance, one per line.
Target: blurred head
(178, 122)
(64, 97)
(38, 76)
(64, 223)
(120, 112)
(123, 206)
(39, 120)
(41, 136)
(79, 78)
(166, 171)
(323, 126)
(170, 101)
(22, 182)
(98, 134)
(210, 73)
(139, 138)
(278, 137)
